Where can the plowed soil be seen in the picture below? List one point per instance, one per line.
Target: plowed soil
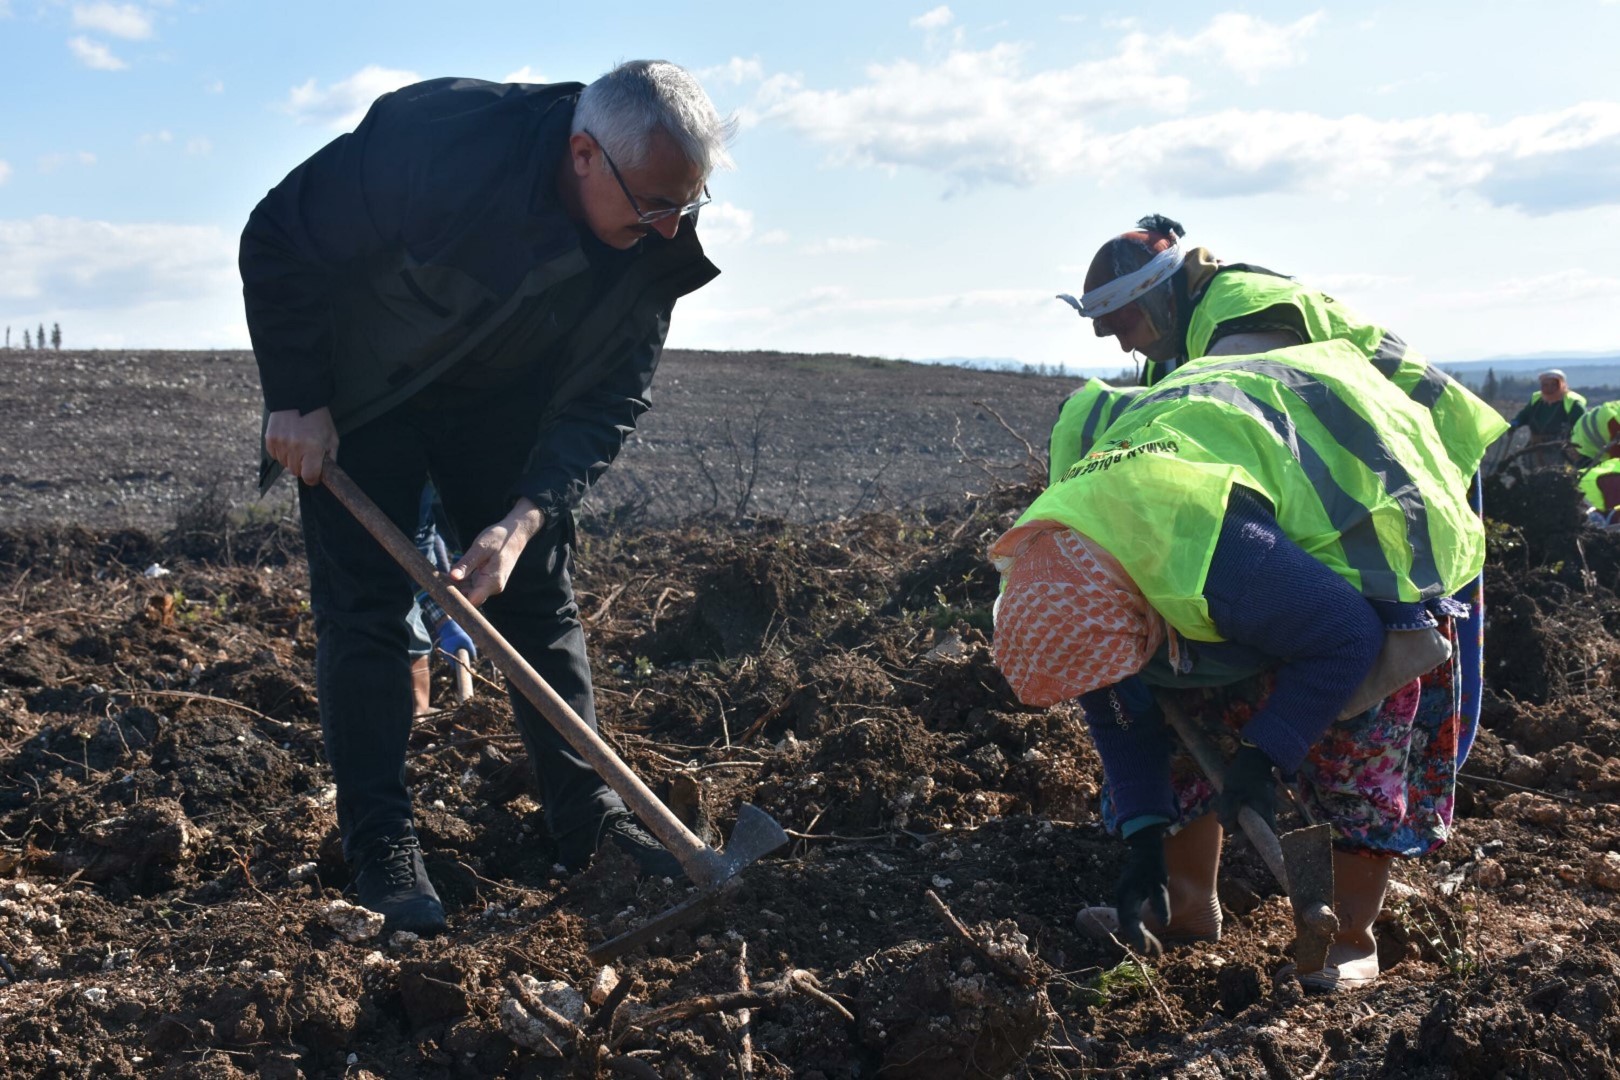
(170, 879)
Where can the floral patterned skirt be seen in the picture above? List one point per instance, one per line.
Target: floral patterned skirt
(1384, 780)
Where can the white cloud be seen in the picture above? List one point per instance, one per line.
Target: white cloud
(94, 55)
(199, 146)
(106, 267)
(982, 117)
(937, 19)
(342, 104)
(1538, 291)
(115, 285)
(525, 74)
(841, 245)
(976, 116)
(120, 20)
(52, 162)
(1358, 282)
(1541, 162)
(150, 137)
(733, 72)
(5, 171)
(1242, 43)
(724, 224)
(216, 86)
(775, 236)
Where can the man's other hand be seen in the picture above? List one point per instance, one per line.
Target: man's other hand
(301, 442)
(483, 570)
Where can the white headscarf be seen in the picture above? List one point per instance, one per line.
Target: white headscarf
(1113, 295)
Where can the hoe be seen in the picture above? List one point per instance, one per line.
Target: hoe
(713, 872)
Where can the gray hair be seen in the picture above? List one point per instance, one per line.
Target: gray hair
(626, 107)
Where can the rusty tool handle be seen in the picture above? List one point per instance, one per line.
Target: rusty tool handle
(701, 862)
(1209, 760)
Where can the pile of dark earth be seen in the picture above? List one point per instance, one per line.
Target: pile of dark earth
(171, 890)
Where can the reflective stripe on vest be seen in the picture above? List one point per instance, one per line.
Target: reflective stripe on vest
(1465, 423)
(1357, 435)
(1352, 467)
(1085, 415)
(1596, 428)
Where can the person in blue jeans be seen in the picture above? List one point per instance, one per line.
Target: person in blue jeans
(432, 630)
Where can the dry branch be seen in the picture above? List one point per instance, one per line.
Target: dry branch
(948, 917)
(765, 995)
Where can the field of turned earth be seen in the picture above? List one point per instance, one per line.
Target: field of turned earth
(784, 585)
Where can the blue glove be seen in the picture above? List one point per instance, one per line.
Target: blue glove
(450, 638)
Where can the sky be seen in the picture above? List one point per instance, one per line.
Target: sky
(910, 181)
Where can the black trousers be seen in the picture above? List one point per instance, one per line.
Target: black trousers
(474, 446)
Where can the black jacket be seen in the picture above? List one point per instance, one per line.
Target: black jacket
(400, 249)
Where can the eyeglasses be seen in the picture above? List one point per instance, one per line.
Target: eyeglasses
(647, 217)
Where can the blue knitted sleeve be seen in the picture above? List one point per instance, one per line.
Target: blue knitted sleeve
(1266, 592)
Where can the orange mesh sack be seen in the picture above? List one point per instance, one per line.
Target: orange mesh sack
(1070, 620)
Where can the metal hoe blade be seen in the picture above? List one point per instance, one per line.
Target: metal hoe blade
(1306, 875)
(756, 834)
(1308, 857)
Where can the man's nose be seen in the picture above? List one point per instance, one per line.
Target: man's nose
(668, 227)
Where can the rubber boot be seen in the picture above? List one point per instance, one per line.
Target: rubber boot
(1359, 882)
(422, 685)
(1406, 655)
(1193, 858)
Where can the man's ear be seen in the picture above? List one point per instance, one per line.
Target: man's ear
(582, 152)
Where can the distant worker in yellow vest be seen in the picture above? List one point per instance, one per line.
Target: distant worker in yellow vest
(1597, 433)
(1551, 415)
(1243, 542)
(1601, 486)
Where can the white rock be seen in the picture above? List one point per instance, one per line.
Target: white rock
(352, 923)
(533, 1033)
(601, 986)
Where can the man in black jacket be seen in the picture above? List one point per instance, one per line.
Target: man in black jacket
(474, 285)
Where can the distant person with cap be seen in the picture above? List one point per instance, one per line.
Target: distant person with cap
(1173, 303)
(1550, 415)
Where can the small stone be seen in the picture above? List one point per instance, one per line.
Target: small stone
(1524, 806)
(1490, 874)
(1604, 871)
(352, 923)
(532, 1032)
(606, 979)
